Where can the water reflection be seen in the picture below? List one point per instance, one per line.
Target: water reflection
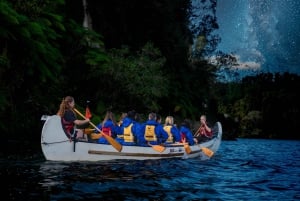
(241, 170)
(51, 172)
(58, 173)
(122, 179)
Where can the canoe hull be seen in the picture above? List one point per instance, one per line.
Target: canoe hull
(57, 147)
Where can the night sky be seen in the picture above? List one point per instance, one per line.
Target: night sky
(263, 34)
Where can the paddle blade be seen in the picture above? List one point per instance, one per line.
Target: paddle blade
(95, 136)
(89, 131)
(113, 142)
(207, 151)
(158, 148)
(187, 148)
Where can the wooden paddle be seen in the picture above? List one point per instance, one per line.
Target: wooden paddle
(186, 146)
(196, 135)
(89, 131)
(111, 140)
(158, 148)
(205, 150)
(95, 136)
(208, 152)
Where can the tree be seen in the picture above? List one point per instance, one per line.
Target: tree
(139, 77)
(36, 40)
(29, 55)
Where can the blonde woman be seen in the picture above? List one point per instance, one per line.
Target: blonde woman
(69, 119)
(172, 130)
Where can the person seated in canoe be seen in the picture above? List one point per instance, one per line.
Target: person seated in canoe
(122, 117)
(69, 119)
(172, 130)
(158, 118)
(151, 132)
(128, 129)
(204, 132)
(185, 133)
(108, 127)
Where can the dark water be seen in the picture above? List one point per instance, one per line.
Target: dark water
(240, 170)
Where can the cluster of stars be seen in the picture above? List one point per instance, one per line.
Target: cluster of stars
(264, 35)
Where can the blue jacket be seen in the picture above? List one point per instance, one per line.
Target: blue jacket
(114, 129)
(160, 133)
(186, 132)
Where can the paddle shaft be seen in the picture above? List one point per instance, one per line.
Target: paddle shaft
(197, 132)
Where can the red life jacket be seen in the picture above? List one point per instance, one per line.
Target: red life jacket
(106, 131)
(182, 137)
(204, 132)
(68, 127)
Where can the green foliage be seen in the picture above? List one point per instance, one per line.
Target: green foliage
(123, 64)
(31, 59)
(83, 50)
(140, 77)
(22, 33)
(266, 106)
(251, 124)
(134, 24)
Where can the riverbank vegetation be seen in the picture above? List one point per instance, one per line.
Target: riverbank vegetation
(141, 55)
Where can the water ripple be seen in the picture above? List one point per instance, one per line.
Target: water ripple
(240, 170)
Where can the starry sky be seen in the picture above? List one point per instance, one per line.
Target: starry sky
(263, 34)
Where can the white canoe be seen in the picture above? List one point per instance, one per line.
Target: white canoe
(57, 147)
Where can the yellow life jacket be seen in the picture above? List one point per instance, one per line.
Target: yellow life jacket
(168, 130)
(128, 136)
(150, 133)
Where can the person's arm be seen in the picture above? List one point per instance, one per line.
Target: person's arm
(81, 122)
(208, 131)
(207, 128)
